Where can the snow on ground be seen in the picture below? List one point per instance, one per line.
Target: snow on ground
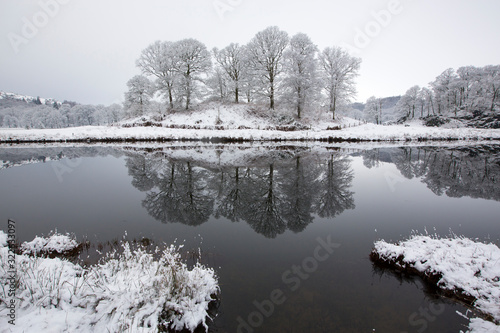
(231, 117)
(238, 116)
(478, 325)
(365, 132)
(3, 239)
(463, 265)
(55, 243)
(134, 291)
(246, 122)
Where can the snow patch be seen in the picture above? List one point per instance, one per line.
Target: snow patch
(460, 265)
(56, 243)
(3, 239)
(478, 325)
(366, 132)
(134, 291)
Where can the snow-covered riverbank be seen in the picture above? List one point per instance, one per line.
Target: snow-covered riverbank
(215, 123)
(133, 291)
(365, 132)
(462, 267)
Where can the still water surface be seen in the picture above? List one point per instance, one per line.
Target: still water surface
(287, 229)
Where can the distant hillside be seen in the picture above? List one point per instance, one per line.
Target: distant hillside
(8, 100)
(358, 106)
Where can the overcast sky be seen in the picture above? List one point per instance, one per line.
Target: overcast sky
(85, 50)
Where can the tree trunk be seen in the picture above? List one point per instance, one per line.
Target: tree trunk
(170, 96)
(221, 89)
(141, 104)
(188, 93)
(333, 105)
(495, 93)
(271, 97)
(299, 103)
(237, 94)
(171, 100)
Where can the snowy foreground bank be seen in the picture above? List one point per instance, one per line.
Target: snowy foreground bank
(365, 132)
(132, 291)
(466, 269)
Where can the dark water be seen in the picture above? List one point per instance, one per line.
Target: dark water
(288, 229)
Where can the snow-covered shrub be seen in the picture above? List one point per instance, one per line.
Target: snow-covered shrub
(55, 243)
(134, 290)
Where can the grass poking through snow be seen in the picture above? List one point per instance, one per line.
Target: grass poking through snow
(132, 290)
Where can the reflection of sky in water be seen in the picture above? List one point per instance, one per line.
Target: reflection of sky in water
(97, 199)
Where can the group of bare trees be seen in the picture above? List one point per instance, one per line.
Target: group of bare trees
(467, 90)
(177, 69)
(271, 67)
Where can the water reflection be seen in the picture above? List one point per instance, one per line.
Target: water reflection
(180, 193)
(274, 189)
(457, 172)
(272, 194)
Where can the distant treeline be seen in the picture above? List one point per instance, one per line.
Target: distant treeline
(33, 113)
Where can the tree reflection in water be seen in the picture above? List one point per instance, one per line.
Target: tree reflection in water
(275, 189)
(471, 171)
(180, 194)
(274, 194)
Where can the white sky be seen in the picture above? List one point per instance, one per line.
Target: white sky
(86, 52)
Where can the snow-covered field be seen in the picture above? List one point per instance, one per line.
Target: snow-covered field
(365, 132)
(241, 122)
(462, 266)
(132, 291)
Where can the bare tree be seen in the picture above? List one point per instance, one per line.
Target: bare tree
(159, 60)
(410, 102)
(468, 85)
(266, 58)
(193, 59)
(339, 70)
(427, 96)
(300, 60)
(373, 109)
(138, 96)
(218, 82)
(492, 84)
(232, 61)
(444, 90)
